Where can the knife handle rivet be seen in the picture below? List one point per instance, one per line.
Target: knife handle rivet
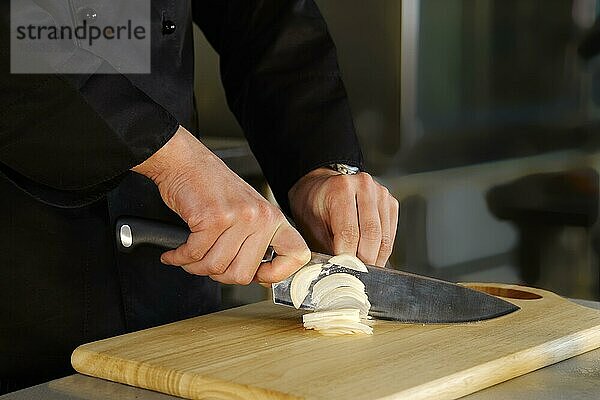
(125, 235)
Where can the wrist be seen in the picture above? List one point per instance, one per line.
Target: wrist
(321, 171)
(331, 170)
(311, 177)
(169, 160)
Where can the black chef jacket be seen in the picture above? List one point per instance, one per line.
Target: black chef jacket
(67, 144)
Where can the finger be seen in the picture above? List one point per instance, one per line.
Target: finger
(193, 250)
(292, 254)
(385, 212)
(197, 245)
(242, 269)
(395, 212)
(369, 224)
(221, 254)
(344, 225)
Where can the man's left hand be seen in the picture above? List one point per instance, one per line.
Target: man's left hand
(345, 214)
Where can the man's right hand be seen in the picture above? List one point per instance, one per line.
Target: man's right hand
(231, 224)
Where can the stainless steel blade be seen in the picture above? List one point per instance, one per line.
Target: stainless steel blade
(401, 296)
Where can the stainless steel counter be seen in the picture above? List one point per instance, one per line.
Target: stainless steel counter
(575, 379)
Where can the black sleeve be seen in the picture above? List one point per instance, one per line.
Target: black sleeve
(282, 80)
(74, 133)
(72, 138)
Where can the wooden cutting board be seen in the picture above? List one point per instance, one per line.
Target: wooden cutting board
(261, 351)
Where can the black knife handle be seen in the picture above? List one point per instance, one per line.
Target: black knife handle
(133, 231)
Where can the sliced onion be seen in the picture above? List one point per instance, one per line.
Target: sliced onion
(301, 283)
(342, 314)
(341, 304)
(344, 297)
(348, 261)
(334, 281)
(338, 322)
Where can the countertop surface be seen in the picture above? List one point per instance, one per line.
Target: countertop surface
(573, 379)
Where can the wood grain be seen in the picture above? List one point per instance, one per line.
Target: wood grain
(261, 351)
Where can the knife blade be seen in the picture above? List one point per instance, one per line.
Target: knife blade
(393, 294)
(402, 296)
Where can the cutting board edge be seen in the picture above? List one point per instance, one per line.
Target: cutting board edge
(527, 361)
(133, 374)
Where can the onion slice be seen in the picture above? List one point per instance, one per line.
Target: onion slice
(348, 261)
(344, 297)
(333, 281)
(301, 283)
(337, 322)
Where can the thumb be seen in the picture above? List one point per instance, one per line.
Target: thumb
(292, 254)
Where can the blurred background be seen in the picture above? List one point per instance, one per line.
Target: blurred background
(481, 116)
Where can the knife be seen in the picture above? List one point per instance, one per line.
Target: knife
(393, 294)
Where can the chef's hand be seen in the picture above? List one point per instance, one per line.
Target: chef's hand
(345, 214)
(231, 224)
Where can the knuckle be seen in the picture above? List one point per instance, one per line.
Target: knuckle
(350, 234)
(249, 213)
(386, 245)
(193, 253)
(343, 182)
(266, 212)
(371, 230)
(217, 268)
(217, 219)
(300, 254)
(364, 178)
(223, 219)
(385, 192)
